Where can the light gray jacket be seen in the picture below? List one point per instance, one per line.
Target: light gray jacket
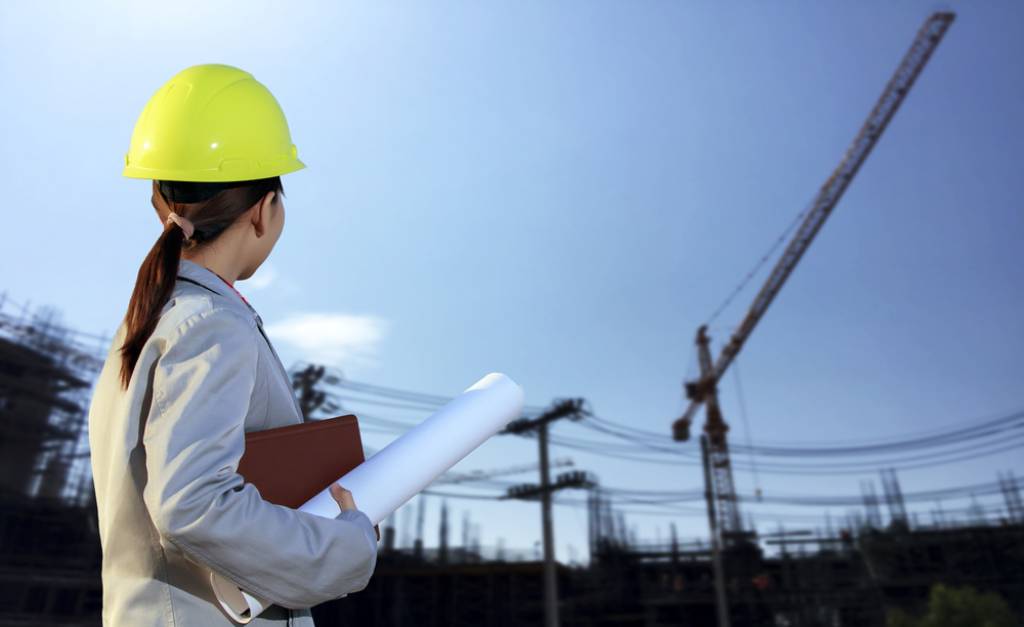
(164, 456)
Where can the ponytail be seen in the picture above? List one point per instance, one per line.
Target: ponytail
(159, 271)
(152, 291)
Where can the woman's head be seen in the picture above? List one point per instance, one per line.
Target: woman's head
(215, 143)
(237, 222)
(241, 221)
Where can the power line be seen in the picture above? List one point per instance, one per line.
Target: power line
(643, 455)
(761, 262)
(661, 442)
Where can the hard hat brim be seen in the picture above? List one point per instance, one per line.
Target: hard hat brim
(213, 176)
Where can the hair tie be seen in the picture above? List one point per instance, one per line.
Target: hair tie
(184, 223)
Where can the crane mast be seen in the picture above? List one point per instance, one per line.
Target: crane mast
(703, 391)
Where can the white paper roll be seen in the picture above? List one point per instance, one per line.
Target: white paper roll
(401, 470)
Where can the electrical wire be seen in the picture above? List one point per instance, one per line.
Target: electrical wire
(746, 423)
(988, 438)
(762, 261)
(650, 447)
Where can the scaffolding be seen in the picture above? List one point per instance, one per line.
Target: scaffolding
(47, 372)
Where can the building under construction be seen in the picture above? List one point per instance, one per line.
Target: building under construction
(50, 573)
(48, 533)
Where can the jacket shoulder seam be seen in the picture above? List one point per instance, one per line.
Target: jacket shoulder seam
(187, 323)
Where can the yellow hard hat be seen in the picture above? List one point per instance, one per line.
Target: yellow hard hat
(211, 123)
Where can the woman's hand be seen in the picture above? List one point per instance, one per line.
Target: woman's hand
(346, 501)
(343, 497)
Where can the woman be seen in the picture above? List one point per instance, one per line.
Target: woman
(190, 372)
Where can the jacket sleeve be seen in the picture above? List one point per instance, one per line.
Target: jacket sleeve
(194, 437)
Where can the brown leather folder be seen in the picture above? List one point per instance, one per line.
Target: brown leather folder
(292, 464)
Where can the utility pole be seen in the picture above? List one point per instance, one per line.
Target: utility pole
(304, 382)
(418, 543)
(567, 408)
(442, 545)
(721, 605)
(550, 579)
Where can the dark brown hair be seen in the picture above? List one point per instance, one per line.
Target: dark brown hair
(221, 205)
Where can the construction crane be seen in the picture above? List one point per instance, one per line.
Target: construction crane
(704, 390)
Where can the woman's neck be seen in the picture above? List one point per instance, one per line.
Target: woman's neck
(219, 266)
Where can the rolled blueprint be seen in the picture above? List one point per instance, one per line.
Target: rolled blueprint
(400, 471)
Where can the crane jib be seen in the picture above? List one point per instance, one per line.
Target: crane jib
(924, 44)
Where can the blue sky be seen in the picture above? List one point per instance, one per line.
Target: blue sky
(563, 192)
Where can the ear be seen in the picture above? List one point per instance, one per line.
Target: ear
(261, 215)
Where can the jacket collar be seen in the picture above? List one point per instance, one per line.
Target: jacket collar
(193, 271)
